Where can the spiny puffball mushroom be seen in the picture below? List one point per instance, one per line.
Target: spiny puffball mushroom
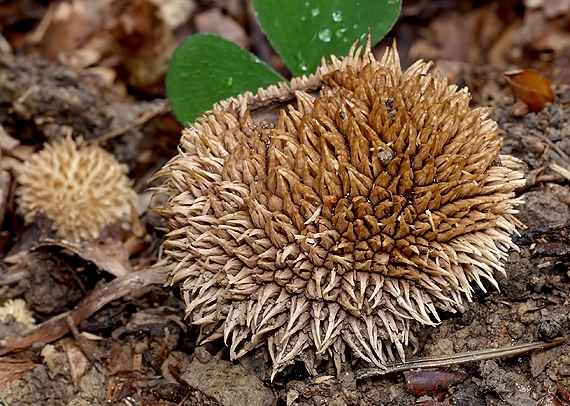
(17, 308)
(81, 189)
(373, 198)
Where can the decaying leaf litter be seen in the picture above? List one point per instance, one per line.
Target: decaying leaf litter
(142, 337)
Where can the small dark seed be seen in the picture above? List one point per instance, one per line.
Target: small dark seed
(549, 329)
(429, 381)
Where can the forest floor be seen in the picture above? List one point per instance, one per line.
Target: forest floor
(108, 332)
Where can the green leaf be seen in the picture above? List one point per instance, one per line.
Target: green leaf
(303, 31)
(207, 68)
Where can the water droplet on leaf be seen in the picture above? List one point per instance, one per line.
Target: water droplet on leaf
(337, 16)
(315, 12)
(325, 35)
(301, 65)
(229, 82)
(340, 32)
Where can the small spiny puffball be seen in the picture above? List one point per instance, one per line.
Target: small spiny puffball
(18, 308)
(81, 189)
(337, 215)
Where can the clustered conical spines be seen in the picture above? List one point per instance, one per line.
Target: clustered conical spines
(359, 211)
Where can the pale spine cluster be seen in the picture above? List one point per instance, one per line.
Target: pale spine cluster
(81, 189)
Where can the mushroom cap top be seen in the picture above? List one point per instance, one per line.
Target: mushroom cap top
(81, 189)
(341, 211)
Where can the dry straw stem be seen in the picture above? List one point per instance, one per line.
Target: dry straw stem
(340, 212)
(81, 189)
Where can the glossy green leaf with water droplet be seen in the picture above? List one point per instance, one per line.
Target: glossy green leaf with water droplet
(303, 31)
(207, 68)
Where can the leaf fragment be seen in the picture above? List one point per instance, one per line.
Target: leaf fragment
(531, 87)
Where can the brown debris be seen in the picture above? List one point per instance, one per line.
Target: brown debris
(120, 358)
(531, 87)
(11, 369)
(429, 382)
(564, 392)
(214, 21)
(5, 185)
(77, 359)
(224, 383)
(540, 359)
(109, 254)
(122, 41)
(133, 285)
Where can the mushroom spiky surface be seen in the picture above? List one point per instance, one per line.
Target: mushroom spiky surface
(340, 212)
(81, 189)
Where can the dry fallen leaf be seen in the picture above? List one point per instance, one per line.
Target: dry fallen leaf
(132, 285)
(147, 44)
(531, 87)
(109, 254)
(69, 26)
(11, 369)
(121, 358)
(216, 22)
(552, 40)
(78, 362)
(551, 8)
(5, 186)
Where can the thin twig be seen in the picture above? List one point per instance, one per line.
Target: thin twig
(185, 399)
(552, 145)
(156, 108)
(81, 341)
(39, 33)
(133, 284)
(456, 359)
(560, 170)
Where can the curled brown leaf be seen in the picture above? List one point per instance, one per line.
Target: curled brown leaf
(531, 87)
